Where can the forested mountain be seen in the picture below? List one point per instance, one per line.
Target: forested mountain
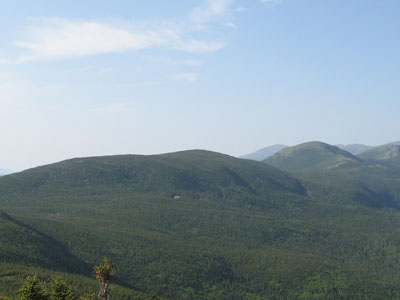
(264, 152)
(393, 143)
(388, 155)
(382, 153)
(311, 155)
(331, 170)
(25, 251)
(26, 245)
(354, 149)
(194, 172)
(203, 225)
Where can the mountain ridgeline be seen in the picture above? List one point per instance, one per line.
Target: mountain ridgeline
(264, 152)
(371, 182)
(355, 149)
(309, 156)
(317, 223)
(194, 172)
(388, 155)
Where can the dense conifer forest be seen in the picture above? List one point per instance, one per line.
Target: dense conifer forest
(202, 225)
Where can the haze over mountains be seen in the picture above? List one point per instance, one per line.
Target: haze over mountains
(86, 87)
(355, 148)
(374, 182)
(312, 221)
(5, 172)
(266, 152)
(311, 155)
(388, 155)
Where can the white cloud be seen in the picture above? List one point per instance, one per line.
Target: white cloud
(74, 38)
(210, 10)
(189, 77)
(58, 38)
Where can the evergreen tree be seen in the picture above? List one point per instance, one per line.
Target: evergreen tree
(33, 290)
(60, 290)
(88, 296)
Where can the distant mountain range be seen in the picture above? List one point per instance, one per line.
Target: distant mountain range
(372, 177)
(388, 155)
(355, 149)
(322, 156)
(266, 152)
(309, 156)
(312, 221)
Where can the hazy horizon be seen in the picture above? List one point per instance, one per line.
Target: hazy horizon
(231, 76)
(6, 171)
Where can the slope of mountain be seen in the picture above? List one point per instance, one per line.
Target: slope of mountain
(12, 277)
(388, 155)
(152, 214)
(354, 149)
(25, 245)
(264, 153)
(328, 171)
(193, 172)
(393, 143)
(202, 225)
(25, 251)
(311, 155)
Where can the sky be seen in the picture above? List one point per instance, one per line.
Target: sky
(96, 77)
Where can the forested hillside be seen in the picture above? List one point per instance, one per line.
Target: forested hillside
(202, 225)
(388, 155)
(310, 156)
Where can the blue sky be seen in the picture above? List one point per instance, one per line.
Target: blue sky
(82, 78)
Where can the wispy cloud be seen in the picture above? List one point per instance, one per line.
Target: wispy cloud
(58, 38)
(189, 77)
(269, 1)
(231, 25)
(210, 10)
